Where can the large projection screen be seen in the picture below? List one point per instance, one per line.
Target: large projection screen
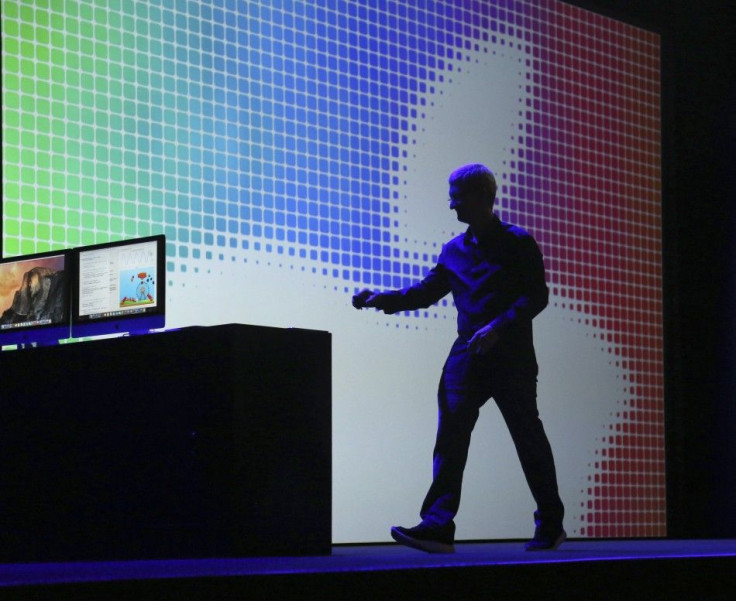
(295, 152)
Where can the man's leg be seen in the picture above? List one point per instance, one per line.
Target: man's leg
(517, 400)
(458, 406)
(457, 418)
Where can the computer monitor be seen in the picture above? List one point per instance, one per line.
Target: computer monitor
(119, 287)
(35, 298)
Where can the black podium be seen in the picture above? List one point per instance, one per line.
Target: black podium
(202, 442)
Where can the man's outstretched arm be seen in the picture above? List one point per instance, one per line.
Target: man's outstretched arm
(423, 294)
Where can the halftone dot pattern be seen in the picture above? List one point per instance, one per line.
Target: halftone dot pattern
(230, 126)
(244, 129)
(589, 186)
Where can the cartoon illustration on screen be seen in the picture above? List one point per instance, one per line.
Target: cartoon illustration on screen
(137, 287)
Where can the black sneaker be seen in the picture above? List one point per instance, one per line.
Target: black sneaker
(432, 539)
(546, 540)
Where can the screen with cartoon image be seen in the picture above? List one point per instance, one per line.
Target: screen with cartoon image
(117, 279)
(138, 288)
(118, 289)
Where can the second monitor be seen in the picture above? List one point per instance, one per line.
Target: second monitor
(120, 287)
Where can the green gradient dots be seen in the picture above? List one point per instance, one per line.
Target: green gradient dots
(70, 176)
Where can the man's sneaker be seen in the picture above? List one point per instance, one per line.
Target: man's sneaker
(546, 540)
(432, 539)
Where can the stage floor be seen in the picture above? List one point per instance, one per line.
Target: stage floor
(364, 558)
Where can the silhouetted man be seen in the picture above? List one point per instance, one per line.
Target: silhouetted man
(496, 276)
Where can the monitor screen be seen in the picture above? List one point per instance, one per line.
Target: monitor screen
(119, 287)
(34, 298)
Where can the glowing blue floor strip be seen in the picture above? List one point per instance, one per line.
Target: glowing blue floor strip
(362, 559)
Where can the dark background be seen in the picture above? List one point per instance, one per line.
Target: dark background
(699, 224)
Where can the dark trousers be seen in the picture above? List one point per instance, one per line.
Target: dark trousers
(468, 381)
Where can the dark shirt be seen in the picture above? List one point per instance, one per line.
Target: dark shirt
(498, 280)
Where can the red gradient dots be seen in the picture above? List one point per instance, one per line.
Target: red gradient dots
(589, 188)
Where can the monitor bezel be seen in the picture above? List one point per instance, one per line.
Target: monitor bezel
(126, 323)
(43, 334)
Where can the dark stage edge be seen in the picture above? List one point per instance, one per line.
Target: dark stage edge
(579, 569)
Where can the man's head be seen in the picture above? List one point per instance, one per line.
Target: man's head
(472, 190)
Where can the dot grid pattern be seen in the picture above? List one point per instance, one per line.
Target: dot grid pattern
(589, 186)
(244, 128)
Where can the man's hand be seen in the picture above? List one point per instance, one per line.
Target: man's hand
(364, 298)
(387, 302)
(483, 340)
